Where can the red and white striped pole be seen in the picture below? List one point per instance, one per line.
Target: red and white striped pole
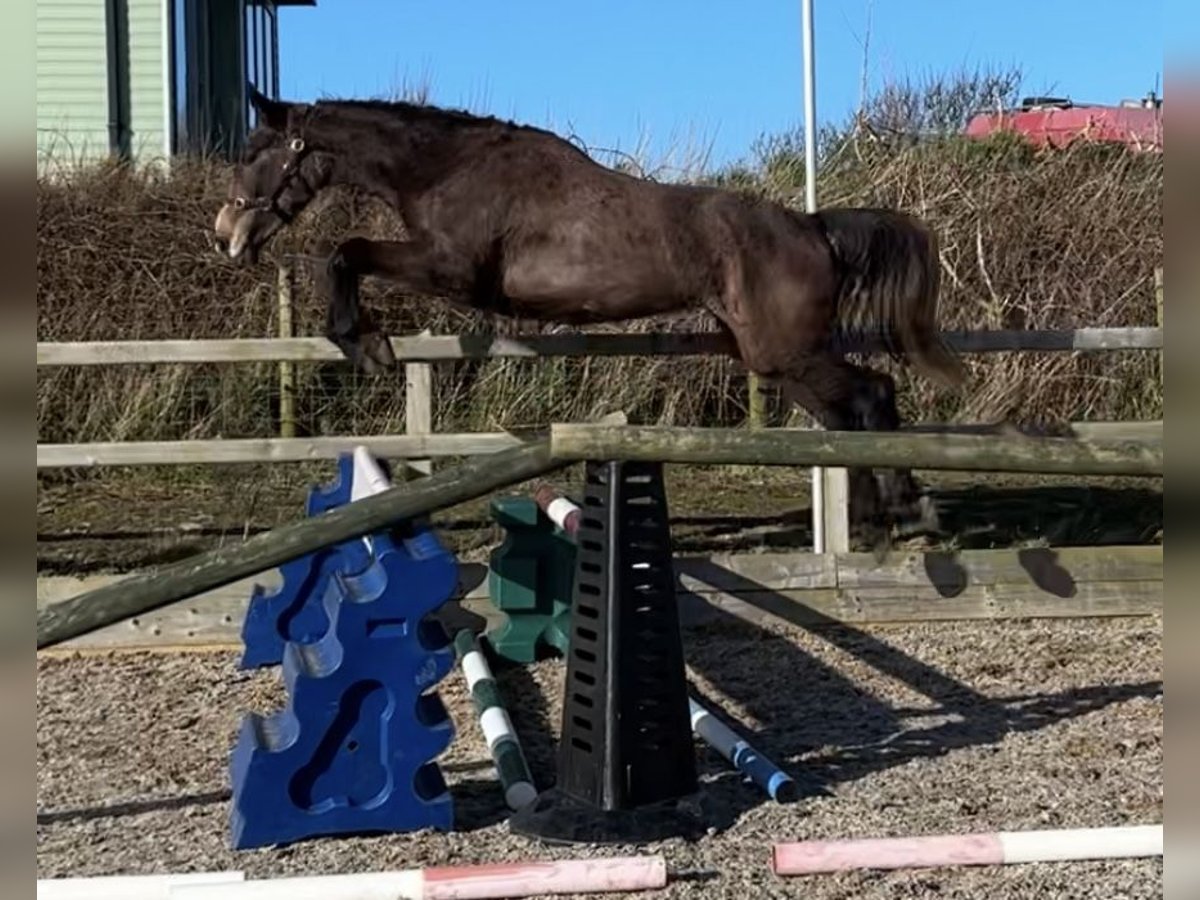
(561, 511)
(497, 880)
(988, 849)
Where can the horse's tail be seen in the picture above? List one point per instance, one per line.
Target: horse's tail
(890, 275)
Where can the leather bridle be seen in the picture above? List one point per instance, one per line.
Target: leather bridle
(297, 149)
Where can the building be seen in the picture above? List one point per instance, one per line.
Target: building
(1057, 122)
(149, 79)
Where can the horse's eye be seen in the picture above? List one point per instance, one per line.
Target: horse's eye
(239, 202)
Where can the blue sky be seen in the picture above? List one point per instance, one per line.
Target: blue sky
(667, 74)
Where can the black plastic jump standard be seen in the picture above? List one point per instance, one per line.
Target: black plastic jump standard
(626, 762)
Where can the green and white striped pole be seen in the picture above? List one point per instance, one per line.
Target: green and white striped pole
(497, 728)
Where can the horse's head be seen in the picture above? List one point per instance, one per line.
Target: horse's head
(279, 174)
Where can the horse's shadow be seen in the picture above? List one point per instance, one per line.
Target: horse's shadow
(975, 517)
(819, 725)
(822, 728)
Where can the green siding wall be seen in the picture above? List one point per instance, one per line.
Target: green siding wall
(71, 82)
(146, 80)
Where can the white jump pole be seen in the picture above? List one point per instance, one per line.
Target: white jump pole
(501, 880)
(368, 479)
(129, 887)
(810, 206)
(988, 849)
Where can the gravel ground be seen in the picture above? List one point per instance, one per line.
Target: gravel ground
(913, 730)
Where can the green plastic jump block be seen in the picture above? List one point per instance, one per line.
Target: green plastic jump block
(529, 580)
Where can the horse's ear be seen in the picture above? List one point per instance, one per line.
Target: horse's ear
(271, 113)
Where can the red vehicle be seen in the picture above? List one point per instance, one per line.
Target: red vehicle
(1055, 122)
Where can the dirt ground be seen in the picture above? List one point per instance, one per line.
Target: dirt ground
(889, 731)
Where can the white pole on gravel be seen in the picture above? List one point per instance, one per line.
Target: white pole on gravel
(501, 880)
(128, 887)
(988, 849)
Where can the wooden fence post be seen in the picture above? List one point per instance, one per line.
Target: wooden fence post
(756, 402)
(1158, 300)
(418, 407)
(287, 370)
(834, 534)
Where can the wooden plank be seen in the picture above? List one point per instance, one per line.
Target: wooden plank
(804, 447)
(1151, 430)
(1006, 601)
(732, 572)
(1056, 340)
(259, 450)
(454, 347)
(887, 606)
(139, 594)
(216, 622)
(800, 588)
(438, 348)
(211, 619)
(408, 446)
(1057, 567)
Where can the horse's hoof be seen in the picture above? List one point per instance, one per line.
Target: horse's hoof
(375, 353)
(919, 517)
(877, 536)
(930, 519)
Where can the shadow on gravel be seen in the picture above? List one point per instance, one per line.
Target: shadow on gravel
(825, 730)
(971, 518)
(132, 808)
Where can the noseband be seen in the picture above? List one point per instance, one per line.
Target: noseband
(297, 149)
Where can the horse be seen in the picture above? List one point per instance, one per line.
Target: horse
(515, 220)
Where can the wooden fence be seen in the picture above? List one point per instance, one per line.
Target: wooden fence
(419, 353)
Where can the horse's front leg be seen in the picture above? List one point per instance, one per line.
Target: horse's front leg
(412, 265)
(843, 396)
(347, 324)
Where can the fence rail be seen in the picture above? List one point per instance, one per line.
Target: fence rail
(425, 446)
(444, 348)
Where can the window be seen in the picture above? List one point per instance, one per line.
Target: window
(217, 48)
(262, 50)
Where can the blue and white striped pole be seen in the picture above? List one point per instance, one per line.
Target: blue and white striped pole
(768, 776)
(497, 727)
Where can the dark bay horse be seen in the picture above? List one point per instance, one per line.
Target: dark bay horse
(515, 220)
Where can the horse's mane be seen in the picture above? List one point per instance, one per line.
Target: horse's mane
(419, 113)
(423, 117)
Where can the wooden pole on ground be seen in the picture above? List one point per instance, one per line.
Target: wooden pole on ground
(802, 447)
(145, 592)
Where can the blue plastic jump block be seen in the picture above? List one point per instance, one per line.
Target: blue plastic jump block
(352, 751)
(294, 611)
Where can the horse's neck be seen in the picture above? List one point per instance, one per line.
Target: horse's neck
(393, 170)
